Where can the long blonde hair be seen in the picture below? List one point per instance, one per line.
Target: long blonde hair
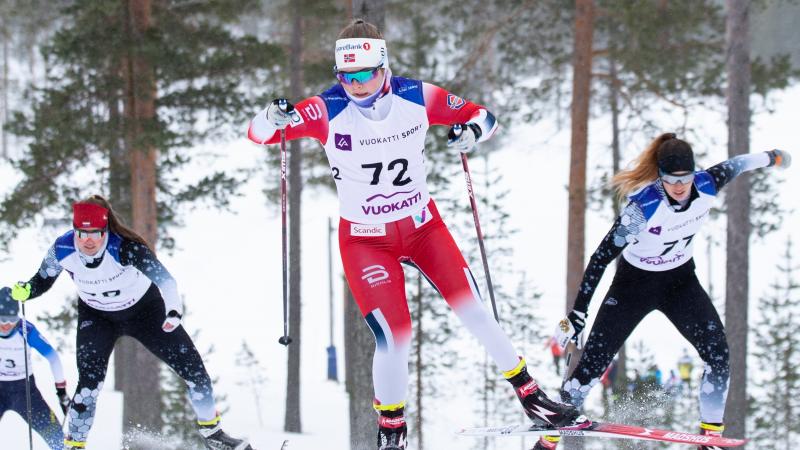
(644, 170)
(115, 224)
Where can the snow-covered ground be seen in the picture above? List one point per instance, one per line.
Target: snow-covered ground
(228, 267)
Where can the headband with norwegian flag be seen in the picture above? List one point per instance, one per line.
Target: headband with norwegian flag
(361, 52)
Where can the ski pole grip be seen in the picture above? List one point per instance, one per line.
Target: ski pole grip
(283, 105)
(455, 131)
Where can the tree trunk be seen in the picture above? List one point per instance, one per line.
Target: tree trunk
(419, 363)
(581, 93)
(136, 369)
(359, 341)
(737, 37)
(621, 380)
(4, 87)
(373, 11)
(292, 422)
(359, 346)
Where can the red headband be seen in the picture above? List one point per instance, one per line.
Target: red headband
(89, 215)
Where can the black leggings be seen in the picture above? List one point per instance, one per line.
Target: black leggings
(98, 331)
(43, 420)
(677, 293)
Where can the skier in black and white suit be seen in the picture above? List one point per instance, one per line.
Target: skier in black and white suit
(124, 290)
(668, 203)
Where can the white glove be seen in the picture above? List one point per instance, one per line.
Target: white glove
(172, 322)
(463, 137)
(279, 113)
(570, 327)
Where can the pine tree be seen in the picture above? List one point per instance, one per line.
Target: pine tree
(432, 357)
(255, 376)
(775, 406)
(24, 24)
(180, 422)
(62, 325)
(305, 72)
(76, 124)
(517, 299)
(130, 87)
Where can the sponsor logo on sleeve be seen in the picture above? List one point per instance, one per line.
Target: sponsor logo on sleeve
(454, 102)
(312, 111)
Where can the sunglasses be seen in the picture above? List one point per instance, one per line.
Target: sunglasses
(93, 234)
(362, 76)
(675, 179)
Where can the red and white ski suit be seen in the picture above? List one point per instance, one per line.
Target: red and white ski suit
(377, 161)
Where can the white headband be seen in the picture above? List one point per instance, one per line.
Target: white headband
(361, 52)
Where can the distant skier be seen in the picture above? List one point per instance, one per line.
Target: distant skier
(668, 203)
(12, 374)
(372, 126)
(556, 351)
(124, 290)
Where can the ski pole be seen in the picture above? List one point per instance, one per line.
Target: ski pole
(566, 368)
(27, 376)
(285, 339)
(457, 130)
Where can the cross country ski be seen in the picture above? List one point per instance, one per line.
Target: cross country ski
(605, 430)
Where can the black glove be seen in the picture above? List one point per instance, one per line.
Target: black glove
(63, 398)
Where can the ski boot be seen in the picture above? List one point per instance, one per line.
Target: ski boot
(538, 407)
(216, 439)
(392, 430)
(711, 429)
(547, 443)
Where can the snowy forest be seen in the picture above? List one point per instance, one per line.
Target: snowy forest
(148, 102)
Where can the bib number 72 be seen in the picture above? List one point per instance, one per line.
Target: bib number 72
(671, 244)
(378, 167)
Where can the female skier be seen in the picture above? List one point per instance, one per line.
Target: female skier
(124, 290)
(372, 126)
(668, 203)
(12, 373)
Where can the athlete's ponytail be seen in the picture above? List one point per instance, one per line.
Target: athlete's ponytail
(115, 225)
(359, 28)
(644, 169)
